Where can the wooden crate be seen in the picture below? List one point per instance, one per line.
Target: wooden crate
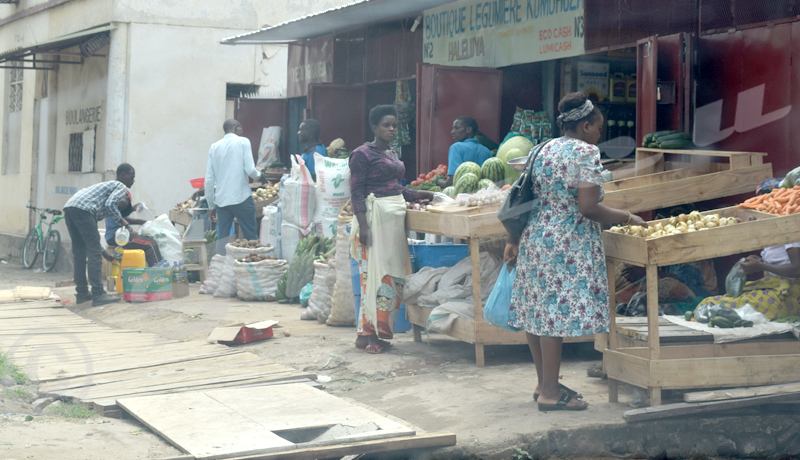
(696, 175)
(181, 218)
(759, 362)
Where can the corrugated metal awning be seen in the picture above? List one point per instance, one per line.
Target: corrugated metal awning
(57, 44)
(333, 20)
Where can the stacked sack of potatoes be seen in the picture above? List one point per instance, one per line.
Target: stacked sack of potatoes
(239, 249)
(343, 301)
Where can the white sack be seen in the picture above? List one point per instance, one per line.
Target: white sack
(211, 283)
(343, 301)
(298, 198)
(290, 237)
(333, 186)
(268, 147)
(271, 228)
(258, 280)
(227, 282)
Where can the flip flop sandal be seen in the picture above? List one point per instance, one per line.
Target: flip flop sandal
(373, 349)
(571, 392)
(562, 404)
(382, 343)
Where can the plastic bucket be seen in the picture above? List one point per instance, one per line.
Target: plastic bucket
(402, 324)
(198, 183)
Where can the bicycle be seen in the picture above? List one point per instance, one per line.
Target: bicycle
(37, 242)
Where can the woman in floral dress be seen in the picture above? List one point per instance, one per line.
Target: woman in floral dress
(561, 286)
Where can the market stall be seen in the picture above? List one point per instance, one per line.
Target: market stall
(668, 178)
(699, 365)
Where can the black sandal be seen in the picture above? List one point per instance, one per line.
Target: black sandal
(562, 404)
(571, 392)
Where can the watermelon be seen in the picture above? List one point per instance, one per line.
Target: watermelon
(493, 169)
(466, 167)
(511, 173)
(517, 142)
(484, 183)
(450, 191)
(467, 183)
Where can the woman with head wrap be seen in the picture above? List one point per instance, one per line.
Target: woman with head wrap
(561, 286)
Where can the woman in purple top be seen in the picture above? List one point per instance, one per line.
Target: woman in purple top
(378, 238)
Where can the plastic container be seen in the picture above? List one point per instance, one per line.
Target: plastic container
(131, 258)
(358, 306)
(198, 183)
(402, 324)
(436, 255)
(356, 277)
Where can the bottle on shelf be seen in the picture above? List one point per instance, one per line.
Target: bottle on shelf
(612, 128)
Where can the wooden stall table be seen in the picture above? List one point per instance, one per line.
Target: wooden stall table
(701, 365)
(470, 224)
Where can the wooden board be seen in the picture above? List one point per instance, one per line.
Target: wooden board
(737, 393)
(468, 210)
(247, 421)
(685, 409)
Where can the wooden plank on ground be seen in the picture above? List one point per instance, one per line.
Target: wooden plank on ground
(737, 393)
(683, 409)
(246, 419)
(420, 441)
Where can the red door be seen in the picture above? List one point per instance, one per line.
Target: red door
(646, 87)
(257, 114)
(446, 93)
(674, 66)
(340, 111)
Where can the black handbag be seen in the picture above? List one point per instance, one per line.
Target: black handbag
(515, 212)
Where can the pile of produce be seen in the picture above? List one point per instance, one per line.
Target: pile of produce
(484, 197)
(718, 316)
(211, 236)
(346, 211)
(494, 171)
(184, 205)
(337, 149)
(429, 181)
(301, 271)
(243, 243)
(670, 139)
(780, 201)
(418, 205)
(515, 147)
(684, 223)
(254, 257)
(267, 193)
(467, 177)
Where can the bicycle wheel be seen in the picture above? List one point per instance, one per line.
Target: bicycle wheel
(51, 249)
(31, 249)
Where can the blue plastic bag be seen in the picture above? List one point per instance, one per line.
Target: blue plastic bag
(498, 308)
(305, 294)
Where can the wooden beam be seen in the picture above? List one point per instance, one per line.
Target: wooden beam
(682, 409)
(737, 393)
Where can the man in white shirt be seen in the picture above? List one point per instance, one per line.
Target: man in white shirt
(230, 163)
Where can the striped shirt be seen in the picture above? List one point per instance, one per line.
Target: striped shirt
(100, 200)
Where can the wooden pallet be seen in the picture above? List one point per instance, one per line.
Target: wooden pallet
(77, 360)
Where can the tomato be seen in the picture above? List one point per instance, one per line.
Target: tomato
(414, 183)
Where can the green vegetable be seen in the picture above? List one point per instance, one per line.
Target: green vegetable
(787, 319)
(688, 315)
(676, 145)
(675, 137)
(722, 323)
(658, 134)
(747, 323)
(738, 323)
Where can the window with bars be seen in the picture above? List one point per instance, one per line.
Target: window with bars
(15, 93)
(75, 152)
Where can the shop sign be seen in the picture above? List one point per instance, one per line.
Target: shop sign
(500, 33)
(310, 61)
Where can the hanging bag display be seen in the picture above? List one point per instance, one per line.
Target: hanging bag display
(516, 210)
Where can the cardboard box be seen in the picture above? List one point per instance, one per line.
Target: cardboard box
(241, 333)
(146, 284)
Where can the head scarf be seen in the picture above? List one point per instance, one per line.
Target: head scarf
(578, 113)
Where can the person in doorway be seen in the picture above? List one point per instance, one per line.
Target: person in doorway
(148, 245)
(465, 148)
(378, 237)
(561, 286)
(81, 213)
(227, 189)
(308, 135)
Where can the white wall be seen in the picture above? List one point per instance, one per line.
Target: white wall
(176, 105)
